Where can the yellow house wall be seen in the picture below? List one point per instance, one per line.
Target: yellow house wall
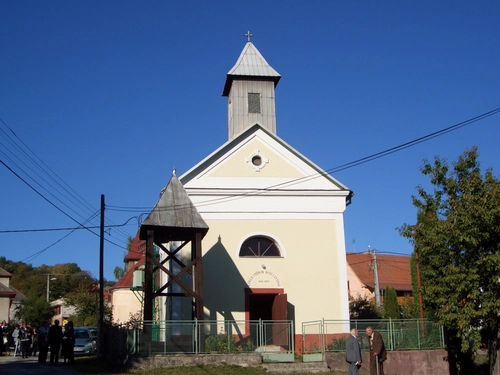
(356, 287)
(4, 308)
(124, 304)
(308, 271)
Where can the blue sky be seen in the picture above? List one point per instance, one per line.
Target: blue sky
(107, 97)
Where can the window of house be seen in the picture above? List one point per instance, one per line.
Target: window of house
(253, 102)
(259, 246)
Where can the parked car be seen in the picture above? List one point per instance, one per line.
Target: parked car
(85, 340)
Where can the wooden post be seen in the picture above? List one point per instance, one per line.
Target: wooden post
(198, 289)
(198, 277)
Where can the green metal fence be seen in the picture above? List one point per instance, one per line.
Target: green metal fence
(399, 334)
(207, 336)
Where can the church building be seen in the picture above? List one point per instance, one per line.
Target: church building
(275, 247)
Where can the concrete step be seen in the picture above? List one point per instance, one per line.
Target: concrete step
(296, 367)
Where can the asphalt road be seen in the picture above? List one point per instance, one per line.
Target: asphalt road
(20, 366)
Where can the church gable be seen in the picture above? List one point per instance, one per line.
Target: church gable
(258, 159)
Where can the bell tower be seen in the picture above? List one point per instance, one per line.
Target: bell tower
(249, 88)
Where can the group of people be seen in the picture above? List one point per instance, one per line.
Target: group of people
(28, 342)
(378, 354)
(23, 338)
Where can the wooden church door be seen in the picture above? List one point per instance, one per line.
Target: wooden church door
(279, 316)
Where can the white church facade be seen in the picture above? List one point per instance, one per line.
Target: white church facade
(274, 248)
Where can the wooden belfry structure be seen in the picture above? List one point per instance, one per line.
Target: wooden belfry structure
(174, 218)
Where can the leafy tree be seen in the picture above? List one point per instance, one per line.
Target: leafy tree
(34, 311)
(391, 306)
(409, 308)
(32, 281)
(118, 272)
(458, 239)
(362, 308)
(86, 303)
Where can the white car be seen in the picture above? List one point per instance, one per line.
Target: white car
(85, 340)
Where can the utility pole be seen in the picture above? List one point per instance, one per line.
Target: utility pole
(100, 325)
(374, 267)
(48, 285)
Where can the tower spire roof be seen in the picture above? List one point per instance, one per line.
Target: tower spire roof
(250, 64)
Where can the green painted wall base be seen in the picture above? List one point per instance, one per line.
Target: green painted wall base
(277, 357)
(315, 357)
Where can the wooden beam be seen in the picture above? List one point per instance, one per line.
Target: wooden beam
(148, 277)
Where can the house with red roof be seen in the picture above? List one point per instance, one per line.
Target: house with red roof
(393, 271)
(127, 293)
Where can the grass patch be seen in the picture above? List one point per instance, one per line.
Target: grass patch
(96, 366)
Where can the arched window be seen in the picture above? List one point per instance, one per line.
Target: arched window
(259, 246)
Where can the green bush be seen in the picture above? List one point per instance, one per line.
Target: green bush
(221, 343)
(337, 345)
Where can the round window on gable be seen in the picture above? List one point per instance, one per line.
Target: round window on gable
(257, 160)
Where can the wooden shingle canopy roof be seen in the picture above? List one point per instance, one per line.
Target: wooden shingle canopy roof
(250, 64)
(393, 270)
(174, 217)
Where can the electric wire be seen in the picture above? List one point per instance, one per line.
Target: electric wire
(235, 196)
(342, 167)
(35, 255)
(67, 192)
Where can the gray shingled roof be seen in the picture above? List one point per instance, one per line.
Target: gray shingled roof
(4, 273)
(250, 64)
(174, 217)
(6, 291)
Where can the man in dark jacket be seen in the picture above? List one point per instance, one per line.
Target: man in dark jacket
(55, 338)
(25, 338)
(378, 354)
(353, 353)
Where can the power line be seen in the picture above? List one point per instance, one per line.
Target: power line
(342, 167)
(254, 191)
(26, 157)
(64, 229)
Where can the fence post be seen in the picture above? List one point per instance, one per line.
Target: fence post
(391, 338)
(322, 337)
(442, 336)
(195, 338)
(261, 333)
(418, 333)
(228, 334)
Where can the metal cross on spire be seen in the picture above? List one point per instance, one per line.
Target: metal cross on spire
(248, 35)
